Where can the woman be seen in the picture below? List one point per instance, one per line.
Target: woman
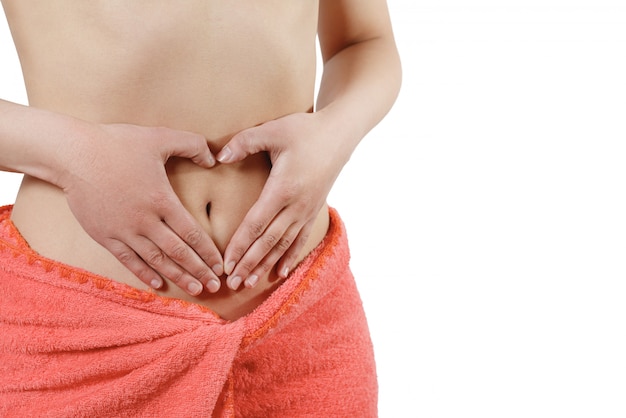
(176, 148)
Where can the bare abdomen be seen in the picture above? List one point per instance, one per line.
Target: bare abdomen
(218, 198)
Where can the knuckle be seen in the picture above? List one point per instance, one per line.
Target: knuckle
(197, 139)
(288, 192)
(264, 266)
(193, 237)
(155, 257)
(246, 266)
(269, 241)
(238, 252)
(246, 138)
(125, 256)
(178, 252)
(203, 274)
(138, 219)
(161, 200)
(283, 245)
(292, 188)
(303, 203)
(255, 229)
(211, 259)
(303, 238)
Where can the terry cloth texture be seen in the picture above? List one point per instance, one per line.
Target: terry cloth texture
(74, 344)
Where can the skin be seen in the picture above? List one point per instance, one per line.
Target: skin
(177, 148)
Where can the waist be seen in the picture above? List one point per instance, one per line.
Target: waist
(217, 198)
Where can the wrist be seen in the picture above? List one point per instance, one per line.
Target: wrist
(69, 150)
(342, 136)
(36, 142)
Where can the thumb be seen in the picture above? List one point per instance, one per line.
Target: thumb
(245, 143)
(188, 145)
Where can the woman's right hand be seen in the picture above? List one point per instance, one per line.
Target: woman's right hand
(117, 187)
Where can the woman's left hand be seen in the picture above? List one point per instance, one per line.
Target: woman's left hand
(305, 164)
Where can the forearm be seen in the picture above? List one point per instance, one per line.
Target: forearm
(34, 141)
(359, 85)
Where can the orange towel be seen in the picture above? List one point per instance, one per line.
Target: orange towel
(76, 344)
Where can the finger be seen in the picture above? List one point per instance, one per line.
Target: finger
(187, 145)
(286, 243)
(185, 226)
(185, 266)
(253, 226)
(243, 144)
(159, 261)
(275, 238)
(134, 263)
(288, 260)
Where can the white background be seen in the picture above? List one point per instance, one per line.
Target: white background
(487, 212)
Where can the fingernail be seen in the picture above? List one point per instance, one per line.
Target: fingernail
(194, 288)
(156, 283)
(218, 269)
(211, 160)
(285, 273)
(213, 285)
(224, 155)
(251, 281)
(229, 267)
(234, 282)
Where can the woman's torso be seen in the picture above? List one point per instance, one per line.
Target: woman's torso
(213, 67)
